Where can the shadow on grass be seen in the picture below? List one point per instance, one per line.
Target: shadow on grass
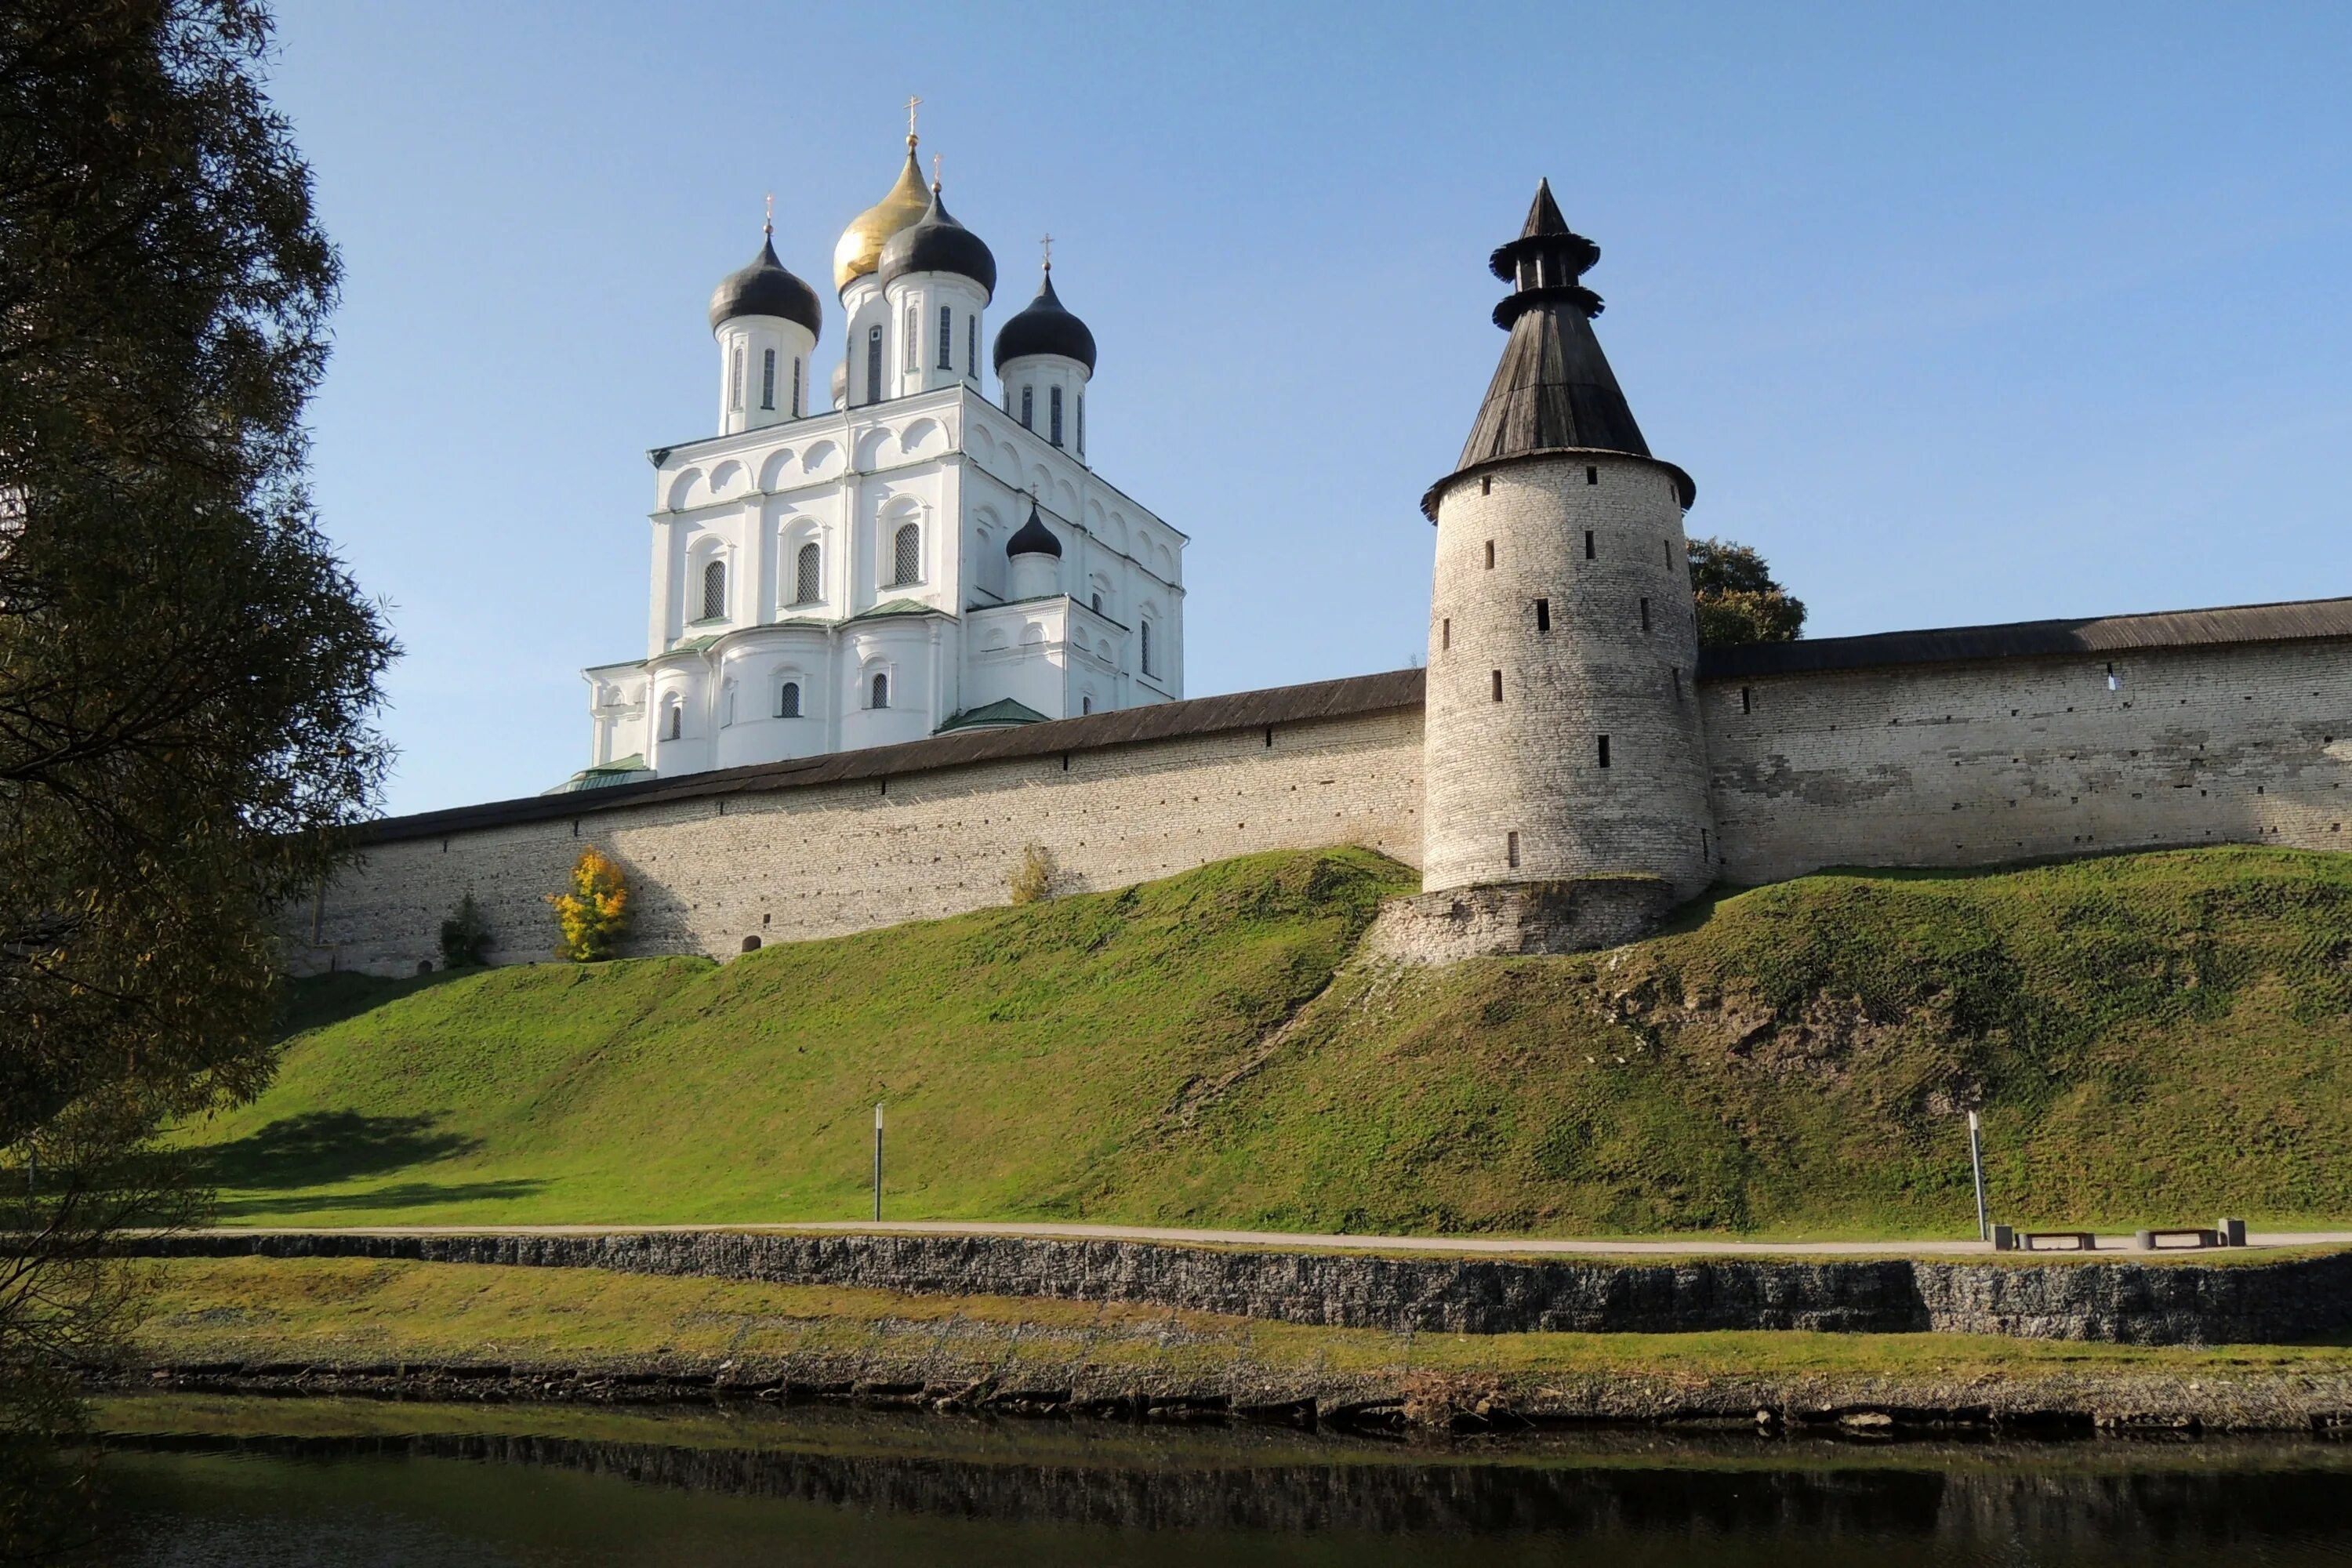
(404, 1195)
(319, 1147)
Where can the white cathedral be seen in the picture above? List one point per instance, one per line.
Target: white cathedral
(915, 560)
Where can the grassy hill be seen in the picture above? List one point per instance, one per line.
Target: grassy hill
(2159, 1037)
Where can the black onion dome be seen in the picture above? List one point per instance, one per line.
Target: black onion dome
(937, 243)
(765, 289)
(1035, 538)
(1044, 326)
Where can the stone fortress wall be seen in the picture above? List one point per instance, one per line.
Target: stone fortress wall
(1962, 748)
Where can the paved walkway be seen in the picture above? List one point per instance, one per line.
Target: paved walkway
(1521, 1246)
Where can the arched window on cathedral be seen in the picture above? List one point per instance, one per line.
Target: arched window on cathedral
(726, 705)
(971, 348)
(1082, 422)
(947, 339)
(1028, 407)
(907, 556)
(796, 403)
(880, 690)
(874, 364)
(768, 379)
(806, 588)
(788, 700)
(1143, 644)
(914, 354)
(1054, 408)
(714, 590)
(673, 719)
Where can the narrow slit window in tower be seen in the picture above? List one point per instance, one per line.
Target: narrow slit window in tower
(1054, 415)
(1604, 751)
(796, 386)
(735, 378)
(913, 352)
(1485, 484)
(1082, 422)
(1746, 700)
(1587, 544)
(768, 378)
(1490, 555)
(1670, 554)
(874, 364)
(1645, 615)
(1591, 475)
(947, 338)
(1446, 634)
(1511, 849)
(1543, 614)
(1678, 682)
(971, 348)
(1028, 407)
(1499, 686)
(1706, 851)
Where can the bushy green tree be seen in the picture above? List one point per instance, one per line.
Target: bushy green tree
(1738, 602)
(186, 671)
(465, 938)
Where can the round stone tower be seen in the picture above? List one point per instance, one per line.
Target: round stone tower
(1565, 757)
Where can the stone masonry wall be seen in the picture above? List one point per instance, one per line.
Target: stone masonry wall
(797, 863)
(2127, 1303)
(1977, 763)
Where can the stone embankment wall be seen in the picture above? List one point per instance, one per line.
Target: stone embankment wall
(1974, 764)
(2126, 1303)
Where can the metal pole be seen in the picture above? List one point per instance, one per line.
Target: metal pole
(1976, 1167)
(878, 1162)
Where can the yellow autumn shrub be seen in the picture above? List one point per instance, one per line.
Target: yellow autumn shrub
(595, 913)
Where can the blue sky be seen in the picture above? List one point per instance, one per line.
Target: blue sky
(1960, 313)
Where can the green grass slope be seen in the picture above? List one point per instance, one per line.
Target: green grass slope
(2154, 1037)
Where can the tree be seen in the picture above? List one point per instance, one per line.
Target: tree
(465, 938)
(1738, 602)
(187, 672)
(591, 916)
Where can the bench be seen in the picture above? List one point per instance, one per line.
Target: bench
(2180, 1238)
(2071, 1240)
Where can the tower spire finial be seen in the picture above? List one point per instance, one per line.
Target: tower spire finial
(768, 226)
(935, 174)
(913, 103)
(1047, 242)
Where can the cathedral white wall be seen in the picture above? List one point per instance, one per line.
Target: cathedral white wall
(947, 462)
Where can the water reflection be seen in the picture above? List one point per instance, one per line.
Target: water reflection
(552, 1487)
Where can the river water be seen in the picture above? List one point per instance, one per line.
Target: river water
(193, 1482)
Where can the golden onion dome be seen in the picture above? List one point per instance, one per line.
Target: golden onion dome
(859, 251)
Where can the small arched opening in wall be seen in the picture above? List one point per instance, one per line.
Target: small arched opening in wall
(790, 694)
(673, 718)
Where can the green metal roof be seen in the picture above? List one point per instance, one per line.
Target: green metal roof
(993, 716)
